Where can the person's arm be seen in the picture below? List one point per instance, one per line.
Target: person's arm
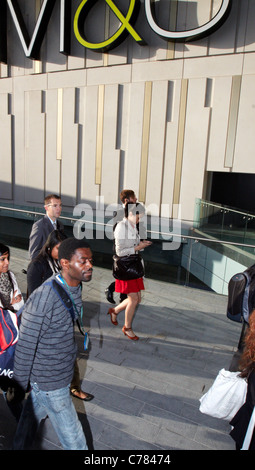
(123, 244)
(33, 316)
(143, 244)
(35, 240)
(16, 298)
(35, 276)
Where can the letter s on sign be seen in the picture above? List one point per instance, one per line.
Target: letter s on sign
(191, 34)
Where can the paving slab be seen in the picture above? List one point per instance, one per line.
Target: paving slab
(146, 392)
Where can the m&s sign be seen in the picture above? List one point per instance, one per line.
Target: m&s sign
(32, 45)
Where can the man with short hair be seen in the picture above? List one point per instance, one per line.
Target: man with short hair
(46, 351)
(43, 227)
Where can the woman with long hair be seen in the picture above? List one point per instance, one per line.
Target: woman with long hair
(46, 263)
(127, 242)
(10, 295)
(10, 299)
(241, 420)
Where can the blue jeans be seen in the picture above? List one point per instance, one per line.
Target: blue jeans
(58, 406)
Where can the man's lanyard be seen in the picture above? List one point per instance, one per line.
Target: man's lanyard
(71, 297)
(80, 323)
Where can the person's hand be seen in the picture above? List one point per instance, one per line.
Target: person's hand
(143, 244)
(16, 298)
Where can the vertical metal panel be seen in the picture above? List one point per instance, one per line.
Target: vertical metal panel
(232, 122)
(180, 142)
(52, 164)
(69, 164)
(100, 126)
(145, 141)
(157, 141)
(34, 146)
(6, 147)
(60, 124)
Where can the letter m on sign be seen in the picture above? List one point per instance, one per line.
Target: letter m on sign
(32, 45)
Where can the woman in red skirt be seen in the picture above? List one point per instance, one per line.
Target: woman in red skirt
(127, 242)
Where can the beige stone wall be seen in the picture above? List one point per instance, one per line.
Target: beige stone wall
(155, 118)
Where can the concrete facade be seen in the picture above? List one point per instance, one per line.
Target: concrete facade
(157, 118)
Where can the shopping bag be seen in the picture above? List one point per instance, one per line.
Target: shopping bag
(225, 397)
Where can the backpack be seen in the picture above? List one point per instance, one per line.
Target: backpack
(239, 290)
(9, 325)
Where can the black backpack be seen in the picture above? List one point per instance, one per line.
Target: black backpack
(240, 288)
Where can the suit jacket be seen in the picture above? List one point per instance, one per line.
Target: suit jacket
(39, 234)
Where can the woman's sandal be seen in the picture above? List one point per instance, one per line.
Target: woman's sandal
(112, 312)
(77, 394)
(124, 329)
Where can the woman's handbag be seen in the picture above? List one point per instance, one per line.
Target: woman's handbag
(225, 397)
(128, 267)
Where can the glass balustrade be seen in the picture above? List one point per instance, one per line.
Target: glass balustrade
(220, 243)
(225, 223)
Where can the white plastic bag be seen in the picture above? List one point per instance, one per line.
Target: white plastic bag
(225, 397)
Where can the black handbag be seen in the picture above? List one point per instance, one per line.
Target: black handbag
(128, 267)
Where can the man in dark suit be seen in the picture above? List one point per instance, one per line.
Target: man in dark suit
(43, 227)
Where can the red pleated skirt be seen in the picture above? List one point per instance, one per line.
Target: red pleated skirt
(127, 287)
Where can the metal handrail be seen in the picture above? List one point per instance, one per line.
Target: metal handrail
(213, 240)
(211, 204)
(20, 210)
(175, 235)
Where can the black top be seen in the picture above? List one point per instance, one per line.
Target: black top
(38, 271)
(241, 420)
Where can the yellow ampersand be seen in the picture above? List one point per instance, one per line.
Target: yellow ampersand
(116, 38)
